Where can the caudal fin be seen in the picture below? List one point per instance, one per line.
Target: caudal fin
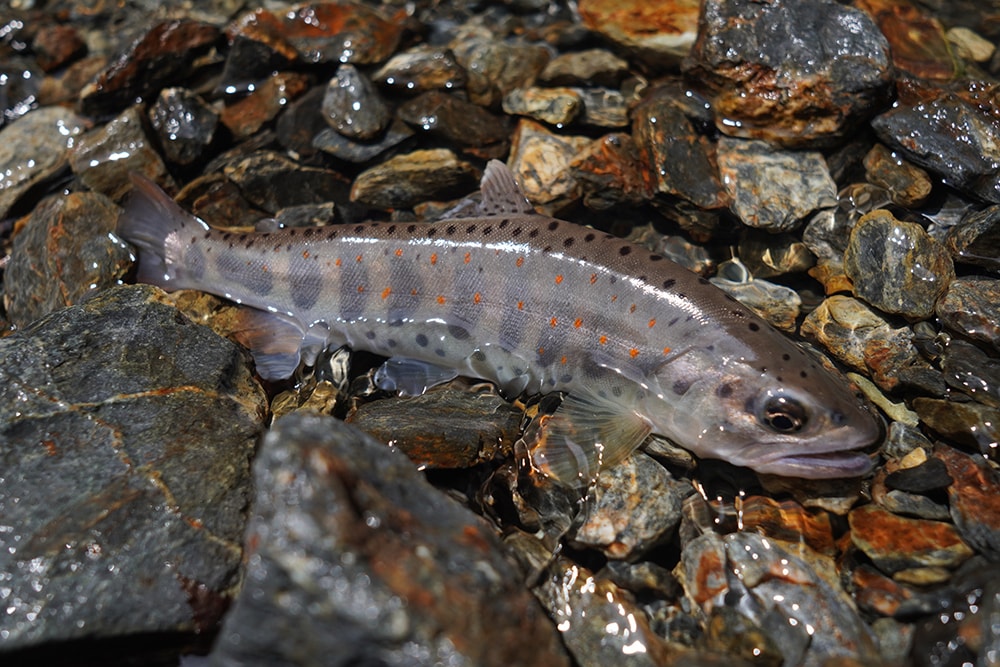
(162, 232)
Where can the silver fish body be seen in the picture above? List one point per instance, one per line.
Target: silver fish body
(534, 304)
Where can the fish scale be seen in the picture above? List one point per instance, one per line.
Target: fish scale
(534, 304)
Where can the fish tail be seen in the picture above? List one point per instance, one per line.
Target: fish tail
(162, 231)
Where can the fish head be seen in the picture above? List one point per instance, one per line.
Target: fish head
(784, 413)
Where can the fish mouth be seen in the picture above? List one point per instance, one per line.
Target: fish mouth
(826, 465)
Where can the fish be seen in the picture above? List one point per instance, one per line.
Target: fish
(636, 343)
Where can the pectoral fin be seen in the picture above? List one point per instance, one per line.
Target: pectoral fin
(274, 340)
(585, 435)
(411, 377)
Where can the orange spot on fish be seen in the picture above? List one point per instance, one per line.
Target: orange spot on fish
(553, 322)
(559, 279)
(337, 262)
(358, 258)
(519, 262)
(593, 278)
(520, 305)
(666, 350)
(541, 351)
(633, 353)
(434, 258)
(386, 292)
(413, 292)
(468, 257)
(305, 254)
(577, 323)
(614, 297)
(631, 308)
(361, 288)
(603, 340)
(441, 299)
(652, 323)
(399, 252)
(265, 268)
(562, 360)
(477, 297)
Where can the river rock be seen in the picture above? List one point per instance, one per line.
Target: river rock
(976, 239)
(184, 123)
(971, 307)
(352, 555)
(406, 180)
(660, 32)
(126, 433)
(352, 105)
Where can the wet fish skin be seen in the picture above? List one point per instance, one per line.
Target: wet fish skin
(534, 304)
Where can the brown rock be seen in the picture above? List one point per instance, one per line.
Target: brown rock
(896, 543)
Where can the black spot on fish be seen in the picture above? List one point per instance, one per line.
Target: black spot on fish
(226, 236)
(655, 258)
(411, 228)
(457, 332)
(642, 279)
(673, 321)
(207, 235)
(737, 313)
(451, 230)
(421, 340)
(553, 226)
(250, 242)
(516, 231)
(702, 281)
(710, 348)
(803, 374)
(625, 250)
(753, 326)
(432, 231)
(487, 230)
(470, 229)
(681, 387)
(306, 281)
(370, 335)
(533, 233)
(589, 237)
(669, 283)
(503, 223)
(568, 242)
(293, 232)
(786, 357)
(566, 378)
(547, 248)
(331, 234)
(359, 229)
(439, 352)
(391, 342)
(308, 232)
(552, 382)
(724, 390)
(391, 230)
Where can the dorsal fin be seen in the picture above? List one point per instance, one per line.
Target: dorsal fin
(500, 192)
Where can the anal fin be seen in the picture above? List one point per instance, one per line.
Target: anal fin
(585, 435)
(274, 340)
(411, 377)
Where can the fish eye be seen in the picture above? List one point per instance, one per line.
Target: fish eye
(783, 414)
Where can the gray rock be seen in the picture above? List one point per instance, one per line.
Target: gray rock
(420, 69)
(126, 433)
(353, 107)
(355, 557)
(184, 123)
(33, 149)
(976, 239)
(971, 307)
(406, 180)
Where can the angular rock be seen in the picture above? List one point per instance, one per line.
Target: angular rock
(33, 149)
(971, 424)
(540, 159)
(126, 433)
(273, 182)
(249, 114)
(63, 254)
(908, 185)
(420, 69)
(952, 134)
(444, 428)
(333, 143)
(660, 32)
(796, 73)
(352, 105)
(591, 67)
(555, 106)
(603, 107)
(976, 239)
(919, 45)
(354, 556)
(896, 266)
(773, 190)
(184, 123)
(974, 500)
(971, 307)
(406, 180)
(610, 172)
(896, 543)
(496, 67)
(162, 56)
(453, 119)
(778, 304)
(57, 46)
(971, 371)
(104, 157)
(301, 122)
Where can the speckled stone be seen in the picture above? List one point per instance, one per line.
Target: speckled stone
(896, 266)
(976, 239)
(540, 159)
(247, 115)
(896, 543)
(555, 106)
(771, 189)
(971, 307)
(406, 180)
(965, 423)
(907, 184)
(974, 499)
(420, 69)
(918, 42)
(272, 182)
(352, 105)
(661, 32)
(184, 124)
(590, 67)
(454, 120)
(496, 67)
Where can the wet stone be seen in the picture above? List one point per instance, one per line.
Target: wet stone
(34, 149)
(666, 131)
(896, 266)
(907, 184)
(773, 190)
(160, 57)
(917, 40)
(333, 143)
(844, 326)
(340, 32)
(591, 67)
(540, 160)
(249, 114)
(610, 172)
(185, 125)
(257, 48)
(453, 119)
(599, 622)
(768, 255)
(971, 307)
(555, 106)
(353, 107)
(603, 107)
(302, 122)
(632, 507)
(970, 45)
(443, 429)
(62, 255)
(878, 593)
(20, 82)
(126, 433)
(950, 134)
(928, 476)
(896, 543)
(971, 371)
(780, 591)
(57, 46)
(104, 157)
(496, 67)
(974, 500)
(273, 182)
(965, 423)
(976, 239)
(777, 304)
(406, 180)
(420, 69)
(800, 73)
(353, 553)
(659, 32)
